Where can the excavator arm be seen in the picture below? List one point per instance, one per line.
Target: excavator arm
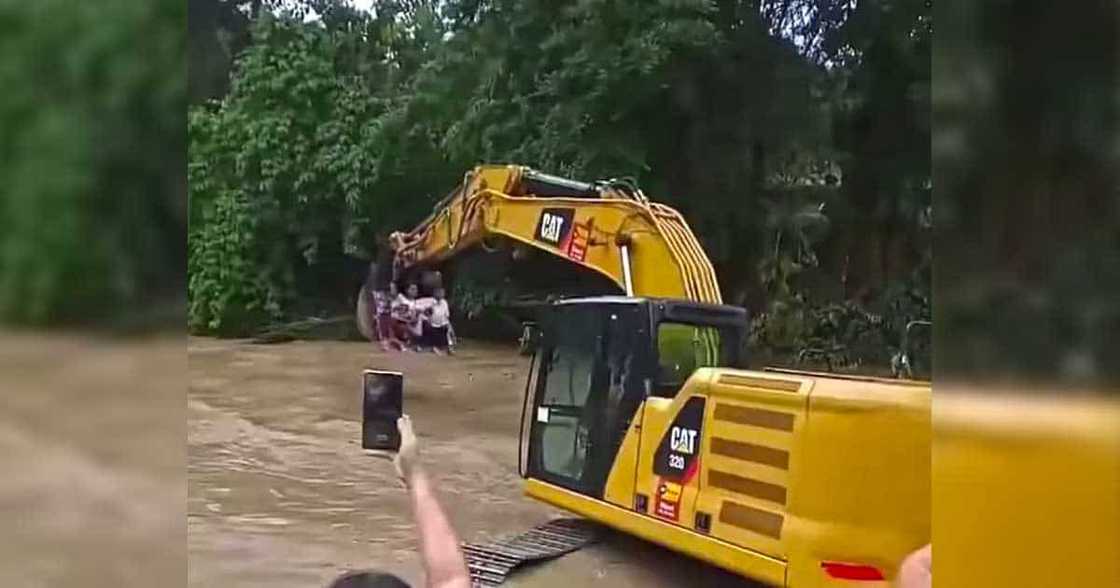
(645, 248)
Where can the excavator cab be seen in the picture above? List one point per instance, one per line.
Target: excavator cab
(596, 361)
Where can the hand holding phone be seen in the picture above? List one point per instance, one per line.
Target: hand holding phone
(382, 405)
(407, 457)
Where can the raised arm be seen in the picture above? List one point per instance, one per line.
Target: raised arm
(439, 546)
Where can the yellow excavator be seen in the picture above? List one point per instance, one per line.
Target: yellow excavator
(637, 415)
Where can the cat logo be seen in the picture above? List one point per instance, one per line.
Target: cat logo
(551, 227)
(683, 440)
(680, 446)
(554, 226)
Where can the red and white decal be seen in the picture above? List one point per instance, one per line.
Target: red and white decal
(666, 503)
(578, 240)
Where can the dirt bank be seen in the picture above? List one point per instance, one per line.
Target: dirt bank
(280, 493)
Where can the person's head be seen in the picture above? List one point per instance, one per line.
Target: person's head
(367, 580)
(438, 293)
(412, 290)
(393, 288)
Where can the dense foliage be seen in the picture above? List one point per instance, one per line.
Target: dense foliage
(793, 135)
(282, 169)
(92, 191)
(1027, 151)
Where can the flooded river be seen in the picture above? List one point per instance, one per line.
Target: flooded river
(93, 461)
(280, 493)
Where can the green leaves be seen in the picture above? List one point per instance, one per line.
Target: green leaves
(92, 207)
(270, 166)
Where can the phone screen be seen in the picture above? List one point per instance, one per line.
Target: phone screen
(382, 400)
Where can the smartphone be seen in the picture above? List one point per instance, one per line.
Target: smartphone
(382, 405)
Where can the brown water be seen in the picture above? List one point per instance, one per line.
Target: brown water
(93, 460)
(280, 493)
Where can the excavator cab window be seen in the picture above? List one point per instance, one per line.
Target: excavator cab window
(599, 359)
(682, 348)
(568, 369)
(589, 384)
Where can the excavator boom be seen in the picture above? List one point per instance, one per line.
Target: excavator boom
(645, 248)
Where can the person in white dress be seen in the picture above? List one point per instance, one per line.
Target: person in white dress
(406, 318)
(436, 322)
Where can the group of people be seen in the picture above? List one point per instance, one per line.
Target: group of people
(407, 322)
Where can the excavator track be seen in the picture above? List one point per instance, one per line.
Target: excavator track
(490, 563)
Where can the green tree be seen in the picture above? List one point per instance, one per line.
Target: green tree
(746, 115)
(92, 204)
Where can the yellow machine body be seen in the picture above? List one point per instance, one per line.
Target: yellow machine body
(794, 470)
(1026, 487)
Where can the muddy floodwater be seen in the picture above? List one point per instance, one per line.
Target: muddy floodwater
(280, 493)
(91, 449)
